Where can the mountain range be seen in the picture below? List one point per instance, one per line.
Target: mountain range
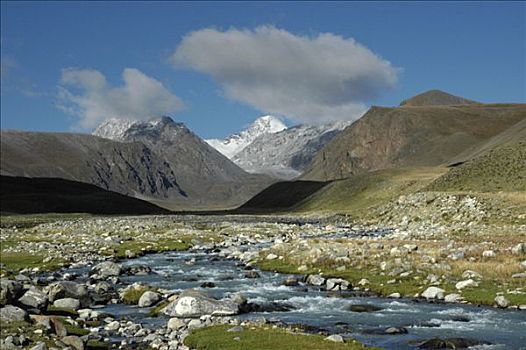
(269, 147)
(162, 161)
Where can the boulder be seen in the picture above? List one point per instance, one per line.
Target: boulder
(9, 291)
(271, 256)
(39, 346)
(519, 249)
(364, 308)
(107, 269)
(433, 293)
(149, 298)
(291, 282)
(252, 274)
(453, 298)
(466, 284)
(75, 342)
(336, 338)
(10, 313)
(315, 280)
(501, 301)
(489, 254)
(335, 284)
(193, 303)
(175, 323)
(34, 298)
(68, 289)
(67, 303)
(137, 270)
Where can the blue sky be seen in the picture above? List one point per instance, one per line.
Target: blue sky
(472, 49)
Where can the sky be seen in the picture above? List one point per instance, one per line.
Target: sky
(216, 66)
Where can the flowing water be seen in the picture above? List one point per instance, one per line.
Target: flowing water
(504, 329)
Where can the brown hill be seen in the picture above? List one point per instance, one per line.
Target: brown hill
(436, 98)
(411, 136)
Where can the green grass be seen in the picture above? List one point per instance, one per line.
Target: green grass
(360, 192)
(486, 292)
(260, 338)
(147, 247)
(21, 260)
(156, 311)
(97, 345)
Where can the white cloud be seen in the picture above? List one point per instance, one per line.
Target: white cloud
(309, 79)
(86, 94)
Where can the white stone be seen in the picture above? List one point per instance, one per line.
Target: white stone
(466, 283)
(433, 293)
(336, 338)
(501, 301)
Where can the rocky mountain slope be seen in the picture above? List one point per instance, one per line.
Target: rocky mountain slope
(267, 146)
(428, 135)
(157, 160)
(235, 143)
(285, 154)
(128, 168)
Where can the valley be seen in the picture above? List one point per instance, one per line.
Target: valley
(403, 230)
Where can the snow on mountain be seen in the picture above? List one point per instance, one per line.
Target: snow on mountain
(122, 129)
(286, 154)
(235, 143)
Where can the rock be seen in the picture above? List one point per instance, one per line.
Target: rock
(107, 269)
(396, 330)
(58, 327)
(335, 284)
(519, 249)
(39, 346)
(315, 280)
(271, 256)
(364, 308)
(34, 298)
(501, 301)
(195, 323)
(266, 307)
(394, 295)
(291, 282)
(175, 323)
(194, 303)
(466, 284)
(433, 293)
(208, 285)
(9, 291)
(471, 274)
(336, 338)
(252, 274)
(450, 343)
(10, 313)
(489, 254)
(236, 329)
(67, 303)
(363, 282)
(137, 270)
(68, 289)
(112, 326)
(148, 299)
(129, 254)
(73, 341)
(519, 275)
(523, 264)
(302, 268)
(453, 298)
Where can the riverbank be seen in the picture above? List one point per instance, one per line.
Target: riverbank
(395, 263)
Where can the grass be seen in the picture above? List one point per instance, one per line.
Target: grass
(261, 338)
(146, 247)
(18, 261)
(360, 192)
(156, 311)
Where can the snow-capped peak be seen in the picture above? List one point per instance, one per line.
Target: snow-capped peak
(235, 143)
(117, 129)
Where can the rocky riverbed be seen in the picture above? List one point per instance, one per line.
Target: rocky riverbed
(362, 278)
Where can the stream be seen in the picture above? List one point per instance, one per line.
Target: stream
(504, 329)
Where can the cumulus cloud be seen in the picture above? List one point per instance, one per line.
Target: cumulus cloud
(309, 79)
(86, 94)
